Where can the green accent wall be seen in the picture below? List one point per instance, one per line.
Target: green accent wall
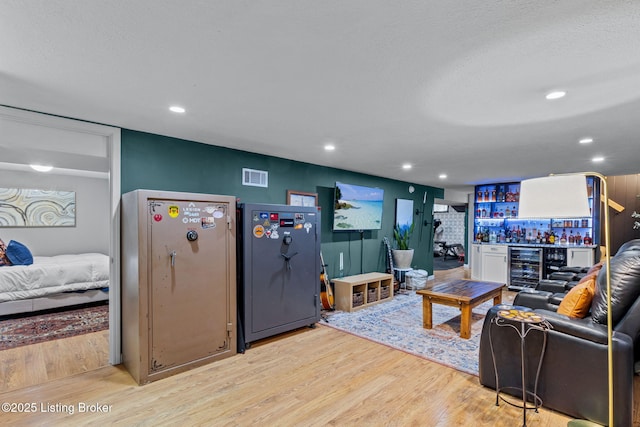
(156, 162)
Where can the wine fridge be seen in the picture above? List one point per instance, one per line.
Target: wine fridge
(525, 267)
(554, 260)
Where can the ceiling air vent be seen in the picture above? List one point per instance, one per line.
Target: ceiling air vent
(255, 177)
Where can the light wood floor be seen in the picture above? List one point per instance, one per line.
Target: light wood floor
(309, 377)
(39, 363)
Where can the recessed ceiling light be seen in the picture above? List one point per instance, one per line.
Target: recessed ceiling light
(329, 147)
(177, 109)
(406, 166)
(442, 176)
(556, 94)
(597, 159)
(41, 168)
(586, 140)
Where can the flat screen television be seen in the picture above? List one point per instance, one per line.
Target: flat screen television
(357, 208)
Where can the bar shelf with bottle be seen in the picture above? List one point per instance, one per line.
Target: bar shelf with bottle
(496, 219)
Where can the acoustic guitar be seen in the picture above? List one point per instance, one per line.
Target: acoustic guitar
(396, 283)
(326, 293)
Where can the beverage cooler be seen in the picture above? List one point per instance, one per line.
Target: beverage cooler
(554, 259)
(525, 267)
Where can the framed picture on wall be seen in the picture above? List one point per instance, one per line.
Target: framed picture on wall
(301, 198)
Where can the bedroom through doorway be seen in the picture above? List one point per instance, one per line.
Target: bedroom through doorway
(65, 327)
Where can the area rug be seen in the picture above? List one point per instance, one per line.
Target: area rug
(20, 331)
(398, 324)
(439, 263)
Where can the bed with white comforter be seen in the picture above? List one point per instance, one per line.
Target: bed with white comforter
(49, 282)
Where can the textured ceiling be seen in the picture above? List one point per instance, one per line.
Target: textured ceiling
(453, 87)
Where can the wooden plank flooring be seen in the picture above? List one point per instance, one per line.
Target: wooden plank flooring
(38, 363)
(309, 377)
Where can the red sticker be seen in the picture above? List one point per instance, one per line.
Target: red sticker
(157, 217)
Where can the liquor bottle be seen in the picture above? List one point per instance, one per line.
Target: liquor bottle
(572, 238)
(501, 195)
(587, 240)
(493, 195)
(508, 212)
(563, 238)
(578, 238)
(509, 197)
(484, 213)
(486, 195)
(513, 212)
(552, 238)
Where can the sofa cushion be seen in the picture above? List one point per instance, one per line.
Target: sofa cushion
(595, 269)
(625, 287)
(632, 247)
(578, 300)
(571, 269)
(563, 275)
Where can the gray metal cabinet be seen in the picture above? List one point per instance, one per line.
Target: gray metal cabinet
(279, 281)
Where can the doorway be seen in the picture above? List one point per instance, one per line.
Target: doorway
(83, 151)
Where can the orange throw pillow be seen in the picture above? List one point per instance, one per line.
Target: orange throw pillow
(577, 302)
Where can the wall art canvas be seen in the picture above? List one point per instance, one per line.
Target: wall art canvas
(21, 207)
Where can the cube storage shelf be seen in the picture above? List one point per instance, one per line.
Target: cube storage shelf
(362, 290)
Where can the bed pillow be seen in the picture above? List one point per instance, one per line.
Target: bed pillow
(19, 254)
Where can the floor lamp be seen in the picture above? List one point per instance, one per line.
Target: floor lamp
(565, 196)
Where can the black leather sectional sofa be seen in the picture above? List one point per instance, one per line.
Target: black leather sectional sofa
(573, 377)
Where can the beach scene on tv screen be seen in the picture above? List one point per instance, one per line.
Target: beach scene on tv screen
(357, 207)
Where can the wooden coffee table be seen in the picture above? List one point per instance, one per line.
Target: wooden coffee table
(464, 294)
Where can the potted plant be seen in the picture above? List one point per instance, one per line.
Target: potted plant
(403, 255)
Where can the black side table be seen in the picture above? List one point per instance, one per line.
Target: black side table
(527, 321)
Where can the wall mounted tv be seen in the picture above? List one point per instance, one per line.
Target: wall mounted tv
(357, 208)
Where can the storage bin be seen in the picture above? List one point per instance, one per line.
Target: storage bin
(372, 294)
(416, 279)
(358, 298)
(384, 292)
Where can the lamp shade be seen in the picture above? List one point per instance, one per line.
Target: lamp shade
(556, 196)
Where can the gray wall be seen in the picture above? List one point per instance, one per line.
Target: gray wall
(91, 233)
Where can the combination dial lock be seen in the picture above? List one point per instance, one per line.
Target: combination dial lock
(192, 235)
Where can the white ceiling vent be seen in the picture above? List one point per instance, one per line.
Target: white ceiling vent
(255, 177)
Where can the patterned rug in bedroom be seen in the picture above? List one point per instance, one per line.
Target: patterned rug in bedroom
(398, 324)
(19, 331)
